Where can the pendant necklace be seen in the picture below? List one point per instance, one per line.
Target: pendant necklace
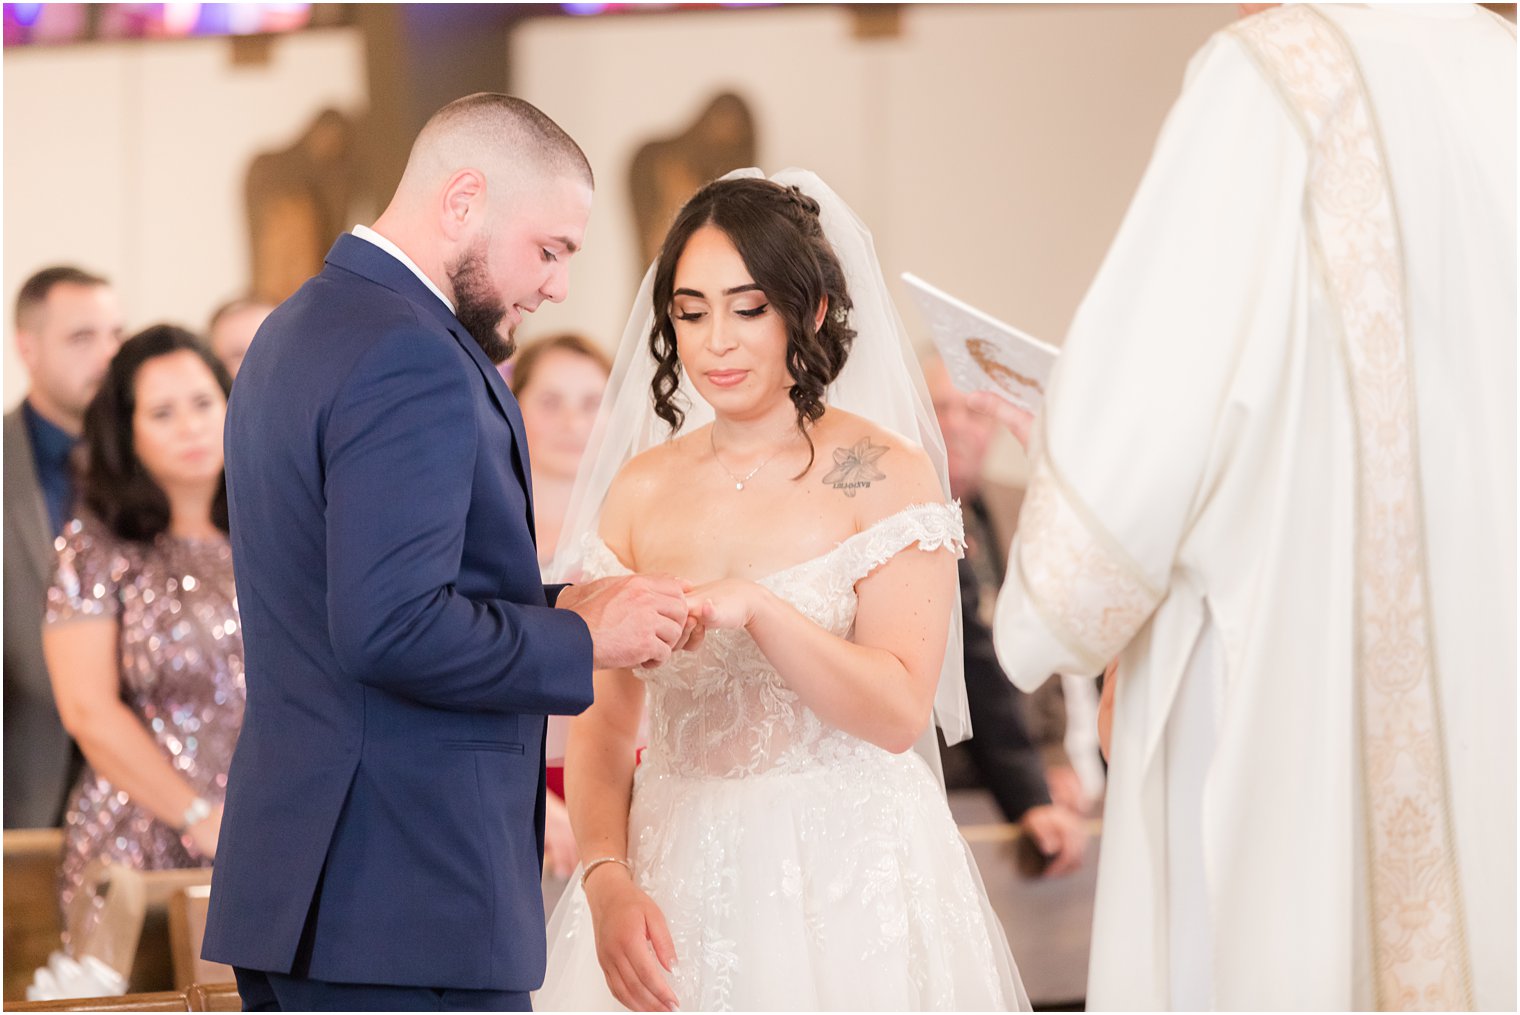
(739, 481)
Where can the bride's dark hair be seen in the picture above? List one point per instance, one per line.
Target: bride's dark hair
(777, 233)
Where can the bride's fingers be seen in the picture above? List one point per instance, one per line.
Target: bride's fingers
(659, 937)
(637, 971)
(617, 986)
(698, 636)
(691, 636)
(645, 960)
(629, 994)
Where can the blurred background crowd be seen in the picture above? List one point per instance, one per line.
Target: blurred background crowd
(173, 171)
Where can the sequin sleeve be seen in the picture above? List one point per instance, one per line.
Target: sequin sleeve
(88, 577)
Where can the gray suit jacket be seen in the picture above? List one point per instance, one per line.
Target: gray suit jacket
(38, 753)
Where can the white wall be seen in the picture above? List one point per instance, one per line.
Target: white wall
(991, 149)
(129, 158)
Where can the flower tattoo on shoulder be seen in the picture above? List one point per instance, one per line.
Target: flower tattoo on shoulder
(855, 467)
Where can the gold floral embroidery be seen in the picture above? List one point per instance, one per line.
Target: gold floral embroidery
(1089, 593)
(1418, 932)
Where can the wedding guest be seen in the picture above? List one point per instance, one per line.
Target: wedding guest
(990, 512)
(142, 636)
(232, 328)
(68, 326)
(558, 382)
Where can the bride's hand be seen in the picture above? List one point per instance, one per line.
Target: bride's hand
(726, 603)
(632, 941)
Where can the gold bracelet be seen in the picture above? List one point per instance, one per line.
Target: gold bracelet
(594, 864)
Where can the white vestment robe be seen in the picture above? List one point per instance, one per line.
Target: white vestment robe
(1275, 476)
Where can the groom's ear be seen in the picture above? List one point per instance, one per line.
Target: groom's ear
(823, 311)
(463, 201)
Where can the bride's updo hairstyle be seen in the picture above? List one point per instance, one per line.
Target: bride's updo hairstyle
(777, 233)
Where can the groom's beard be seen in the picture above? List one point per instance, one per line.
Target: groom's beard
(478, 306)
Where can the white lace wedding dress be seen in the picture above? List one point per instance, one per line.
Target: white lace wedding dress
(798, 867)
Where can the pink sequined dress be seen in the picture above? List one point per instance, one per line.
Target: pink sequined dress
(181, 670)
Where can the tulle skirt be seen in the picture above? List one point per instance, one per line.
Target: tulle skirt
(842, 886)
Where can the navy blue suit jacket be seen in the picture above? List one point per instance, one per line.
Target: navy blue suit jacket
(402, 651)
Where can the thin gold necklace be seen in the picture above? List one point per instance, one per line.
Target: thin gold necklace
(738, 480)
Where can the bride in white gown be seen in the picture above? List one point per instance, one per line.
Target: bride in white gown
(781, 845)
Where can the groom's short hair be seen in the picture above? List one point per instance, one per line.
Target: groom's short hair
(507, 124)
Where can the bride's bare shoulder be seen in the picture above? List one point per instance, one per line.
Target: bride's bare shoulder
(878, 471)
(644, 482)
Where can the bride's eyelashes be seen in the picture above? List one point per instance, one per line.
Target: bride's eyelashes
(697, 315)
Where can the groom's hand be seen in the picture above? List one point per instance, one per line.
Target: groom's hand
(636, 620)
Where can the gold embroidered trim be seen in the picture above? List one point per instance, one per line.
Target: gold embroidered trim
(1419, 936)
(1083, 586)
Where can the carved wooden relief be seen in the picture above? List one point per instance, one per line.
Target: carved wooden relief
(667, 171)
(299, 201)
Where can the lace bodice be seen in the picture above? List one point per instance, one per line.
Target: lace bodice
(723, 711)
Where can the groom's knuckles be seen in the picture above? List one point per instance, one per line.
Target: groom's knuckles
(669, 631)
(656, 653)
(663, 597)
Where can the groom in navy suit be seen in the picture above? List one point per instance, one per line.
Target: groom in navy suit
(383, 835)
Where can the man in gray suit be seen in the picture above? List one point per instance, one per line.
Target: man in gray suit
(68, 326)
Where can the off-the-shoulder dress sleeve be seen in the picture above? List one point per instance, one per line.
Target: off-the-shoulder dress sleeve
(932, 526)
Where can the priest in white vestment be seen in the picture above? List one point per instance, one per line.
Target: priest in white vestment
(1275, 476)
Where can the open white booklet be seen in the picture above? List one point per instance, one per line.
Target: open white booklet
(980, 351)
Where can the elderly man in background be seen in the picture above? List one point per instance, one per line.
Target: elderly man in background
(1016, 750)
(68, 326)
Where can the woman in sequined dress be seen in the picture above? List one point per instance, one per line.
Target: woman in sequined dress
(141, 633)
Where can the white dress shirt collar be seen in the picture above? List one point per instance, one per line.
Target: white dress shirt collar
(366, 233)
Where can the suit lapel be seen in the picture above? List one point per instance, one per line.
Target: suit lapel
(357, 255)
(506, 403)
(24, 504)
